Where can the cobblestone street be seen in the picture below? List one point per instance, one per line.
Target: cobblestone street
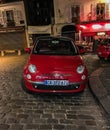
(22, 111)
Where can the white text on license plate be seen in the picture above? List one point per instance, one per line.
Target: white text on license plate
(57, 82)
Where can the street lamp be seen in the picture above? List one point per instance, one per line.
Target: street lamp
(105, 1)
(108, 1)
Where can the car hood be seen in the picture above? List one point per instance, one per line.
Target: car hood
(55, 62)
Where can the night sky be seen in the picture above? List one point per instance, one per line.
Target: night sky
(8, 1)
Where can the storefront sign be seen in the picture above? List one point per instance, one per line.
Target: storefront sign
(39, 29)
(12, 29)
(94, 28)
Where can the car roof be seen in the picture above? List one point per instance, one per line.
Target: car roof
(53, 37)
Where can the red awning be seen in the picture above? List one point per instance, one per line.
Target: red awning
(89, 34)
(92, 28)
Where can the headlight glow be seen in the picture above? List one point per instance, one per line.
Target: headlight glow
(80, 69)
(32, 68)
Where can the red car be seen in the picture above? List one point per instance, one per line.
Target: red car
(54, 66)
(103, 50)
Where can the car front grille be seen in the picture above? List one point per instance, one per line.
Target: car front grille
(45, 87)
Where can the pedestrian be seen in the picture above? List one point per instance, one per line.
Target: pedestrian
(96, 42)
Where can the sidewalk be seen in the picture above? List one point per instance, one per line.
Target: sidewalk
(100, 86)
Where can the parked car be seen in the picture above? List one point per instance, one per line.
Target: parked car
(54, 66)
(103, 50)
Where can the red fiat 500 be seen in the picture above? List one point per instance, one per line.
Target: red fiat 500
(54, 66)
(103, 50)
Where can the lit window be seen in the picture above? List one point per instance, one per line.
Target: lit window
(100, 11)
(75, 11)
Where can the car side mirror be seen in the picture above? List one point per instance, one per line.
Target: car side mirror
(81, 49)
(28, 50)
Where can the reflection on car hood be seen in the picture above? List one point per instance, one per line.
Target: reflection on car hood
(55, 62)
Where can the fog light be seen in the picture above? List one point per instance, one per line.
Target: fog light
(35, 86)
(76, 87)
(28, 76)
(83, 77)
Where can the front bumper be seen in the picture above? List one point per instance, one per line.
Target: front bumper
(41, 87)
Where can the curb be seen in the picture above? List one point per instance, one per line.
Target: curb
(99, 90)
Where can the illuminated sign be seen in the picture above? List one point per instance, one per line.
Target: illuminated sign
(96, 26)
(82, 26)
(107, 26)
(101, 33)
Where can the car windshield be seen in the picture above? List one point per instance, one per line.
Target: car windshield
(55, 47)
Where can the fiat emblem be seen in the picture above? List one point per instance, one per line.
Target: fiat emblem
(56, 75)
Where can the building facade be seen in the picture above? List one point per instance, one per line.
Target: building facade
(80, 19)
(12, 26)
(69, 15)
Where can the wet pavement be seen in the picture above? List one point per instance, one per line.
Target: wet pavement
(99, 80)
(22, 111)
(100, 86)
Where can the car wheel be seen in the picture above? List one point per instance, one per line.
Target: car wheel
(24, 87)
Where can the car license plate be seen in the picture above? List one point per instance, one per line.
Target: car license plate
(57, 82)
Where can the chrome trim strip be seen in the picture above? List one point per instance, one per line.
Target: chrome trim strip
(42, 83)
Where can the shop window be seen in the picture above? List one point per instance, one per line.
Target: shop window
(100, 11)
(75, 11)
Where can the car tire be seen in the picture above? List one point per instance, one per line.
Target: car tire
(24, 87)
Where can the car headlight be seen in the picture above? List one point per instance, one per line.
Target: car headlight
(32, 68)
(80, 69)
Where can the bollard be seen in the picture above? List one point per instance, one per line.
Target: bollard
(19, 52)
(2, 53)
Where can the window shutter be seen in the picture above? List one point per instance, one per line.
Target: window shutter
(107, 15)
(93, 11)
